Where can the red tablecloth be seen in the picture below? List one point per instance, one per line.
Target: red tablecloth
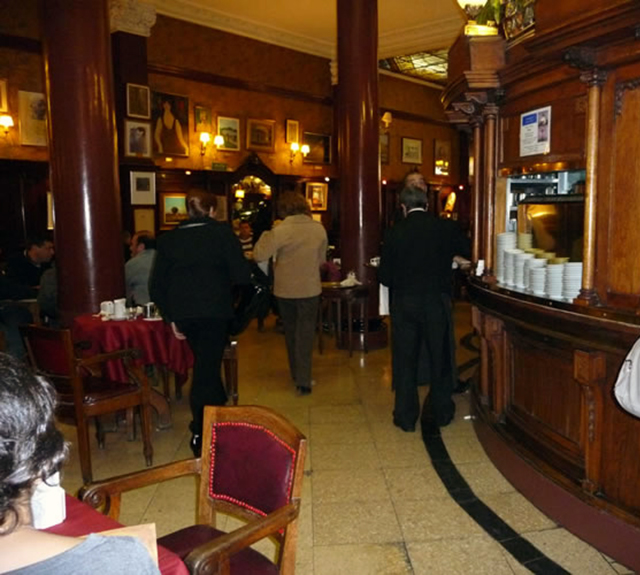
(82, 520)
(154, 338)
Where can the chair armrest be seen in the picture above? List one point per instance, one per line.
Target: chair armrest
(106, 495)
(132, 353)
(204, 558)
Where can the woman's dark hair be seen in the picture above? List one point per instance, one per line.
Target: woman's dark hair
(199, 203)
(292, 204)
(31, 448)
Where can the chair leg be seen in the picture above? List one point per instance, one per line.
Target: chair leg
(131, 424)
(163, 373)
(145, 421)
(179, 382)
(84, 449)
(99, 431)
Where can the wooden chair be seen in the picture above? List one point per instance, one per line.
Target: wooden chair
(252, 468)
(82, 390)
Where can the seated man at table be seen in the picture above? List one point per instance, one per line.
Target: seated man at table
(31, 450)
(27, 267)
(138, 269)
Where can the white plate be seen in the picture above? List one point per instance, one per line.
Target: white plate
(151, 319)
(118, 318)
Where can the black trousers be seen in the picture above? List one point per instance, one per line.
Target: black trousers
(299, 318)
(419, 324)
(207, 339)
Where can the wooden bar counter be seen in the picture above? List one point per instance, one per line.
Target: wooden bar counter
(547, 416)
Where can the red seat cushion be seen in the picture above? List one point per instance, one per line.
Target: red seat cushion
(245, 562)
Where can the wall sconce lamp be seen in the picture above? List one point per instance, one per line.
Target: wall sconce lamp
(6, 122)
(295, 148)
(205, 138)
(387, 118)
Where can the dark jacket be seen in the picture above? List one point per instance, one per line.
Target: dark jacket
(21, 270)
(196, 266)
(418, 252)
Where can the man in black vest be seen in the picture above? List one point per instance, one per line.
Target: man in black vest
(416, 265)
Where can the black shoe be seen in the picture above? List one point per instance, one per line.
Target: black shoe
(407, 428)
(196, 445)
(303, 390)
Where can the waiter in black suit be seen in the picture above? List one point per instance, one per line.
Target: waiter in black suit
(416, 265)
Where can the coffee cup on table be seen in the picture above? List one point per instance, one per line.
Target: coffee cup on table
(106, 308)
(149, 310)
(120, 308)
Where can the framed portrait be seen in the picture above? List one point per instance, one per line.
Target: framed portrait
(229, 129)
(138, 101)
(411, 151)
(319, 148)
(292, 131)
(317, 195)
(384, 148)
(32, 113)
(202, 119)
(143, 188)
(170, 124)
(173, 209)
(261, 135)
(144, 219)
(137, 139)
(4, 99)
(442, 157)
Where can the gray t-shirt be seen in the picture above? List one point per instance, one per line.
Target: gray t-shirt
(97, 554)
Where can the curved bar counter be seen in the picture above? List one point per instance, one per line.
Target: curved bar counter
(547, 416)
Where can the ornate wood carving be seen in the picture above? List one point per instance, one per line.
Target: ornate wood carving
(621, 88)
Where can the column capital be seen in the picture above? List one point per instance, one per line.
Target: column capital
(490, 111)
(593, 77)
(131, 16)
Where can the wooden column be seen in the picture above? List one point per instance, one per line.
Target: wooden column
(490, 114)
(476, 204)
(84, 167)
(594, 78)
(360, 211)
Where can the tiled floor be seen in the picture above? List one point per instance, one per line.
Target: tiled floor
(372, 501)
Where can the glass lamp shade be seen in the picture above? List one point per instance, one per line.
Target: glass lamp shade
(472, 7)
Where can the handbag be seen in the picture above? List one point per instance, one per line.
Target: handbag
(253, 301)
(627, 388)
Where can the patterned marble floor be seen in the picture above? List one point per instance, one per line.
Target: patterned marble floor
(372, 501)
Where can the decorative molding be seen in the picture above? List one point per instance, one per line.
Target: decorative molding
(621, 88)
(132, 16)
(413, 79)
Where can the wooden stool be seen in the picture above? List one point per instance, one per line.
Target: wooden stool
(334, 296)
(230, 368)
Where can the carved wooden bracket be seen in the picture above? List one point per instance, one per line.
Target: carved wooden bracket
(580, 57)
(621, 88)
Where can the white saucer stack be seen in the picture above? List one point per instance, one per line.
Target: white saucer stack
(537, 279)
(525, 241)
(572, 280)
(509, 265)
(518, 270)
(505, 241)
(528, 266)
(553, 285)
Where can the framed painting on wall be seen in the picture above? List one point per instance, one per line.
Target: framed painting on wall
(173, 209)
(229, 129)
(384, 148)
(4, 101)
(202, 119)
(442, 159)
(411, 151)
(138, 101)
(261, 135)
(170, 118)
(144, 219)
(137, 139)
(143, 188)
(292, 131)
(32, 111)
(317, 195)
(319, 148)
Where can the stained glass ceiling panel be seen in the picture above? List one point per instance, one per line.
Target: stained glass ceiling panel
(431, 66)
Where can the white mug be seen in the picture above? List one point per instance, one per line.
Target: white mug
(106, 308)
(120, 308)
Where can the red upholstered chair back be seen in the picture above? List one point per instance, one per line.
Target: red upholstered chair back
(252, 463)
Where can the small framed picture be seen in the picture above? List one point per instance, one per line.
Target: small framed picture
(173, 209)
(229, 129)
(292, 131)
(411, 151)
(170, 118)
(442, 159)
(319, 148)
(143, 188)
(202, 119)
(32, 111)
(138, 101)
(144, 219)
(317, 195)
(4, 101)
(137, 139)
(384, 148)
(261, 135)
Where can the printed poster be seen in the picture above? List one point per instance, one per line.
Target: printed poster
(535, 132)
